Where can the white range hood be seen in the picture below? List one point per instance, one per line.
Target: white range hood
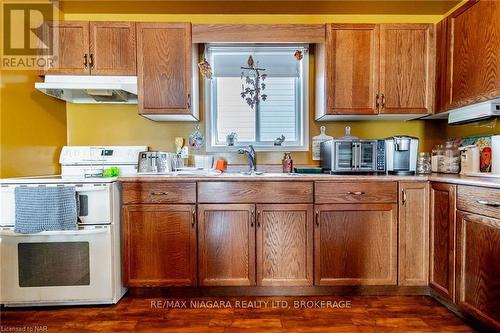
(90, 88)
(475, 112)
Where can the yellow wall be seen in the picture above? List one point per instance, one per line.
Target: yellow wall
(33, 127)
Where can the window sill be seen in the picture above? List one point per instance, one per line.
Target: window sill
(234, 149)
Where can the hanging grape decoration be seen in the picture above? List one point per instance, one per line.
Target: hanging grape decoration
(252, 84)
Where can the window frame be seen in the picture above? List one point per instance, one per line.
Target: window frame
(302, 113)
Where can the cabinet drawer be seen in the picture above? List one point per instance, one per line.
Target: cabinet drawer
(374, 192)
(255, 192)
(137, 193)
(479, 200)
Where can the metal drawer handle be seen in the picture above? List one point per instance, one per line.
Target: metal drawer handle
(487, 203)
(159, 193)
(355, 193)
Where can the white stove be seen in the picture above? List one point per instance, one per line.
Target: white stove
(80, 266)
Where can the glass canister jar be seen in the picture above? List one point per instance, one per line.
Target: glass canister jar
(451, 158)
(424, 163)
(437, 157)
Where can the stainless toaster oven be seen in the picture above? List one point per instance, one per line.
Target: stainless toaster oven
(351, 156)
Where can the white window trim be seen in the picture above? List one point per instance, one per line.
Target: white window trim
(211, 139)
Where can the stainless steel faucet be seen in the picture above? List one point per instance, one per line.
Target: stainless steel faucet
(250, 154)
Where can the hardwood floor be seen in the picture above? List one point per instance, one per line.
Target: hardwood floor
(138, 314)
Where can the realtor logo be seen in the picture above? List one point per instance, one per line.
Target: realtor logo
(26, 43)
(29, 18)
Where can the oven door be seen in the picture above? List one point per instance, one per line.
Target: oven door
(367, 156)
(95, 203)
(64, 267)
(345, 156)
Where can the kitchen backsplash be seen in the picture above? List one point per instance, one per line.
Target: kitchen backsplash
(121, 125)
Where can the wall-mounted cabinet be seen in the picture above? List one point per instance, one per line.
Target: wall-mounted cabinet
(166, 73)
(93, 48)
(367, 69)
(474, 54)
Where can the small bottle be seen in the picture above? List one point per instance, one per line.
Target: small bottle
(287, 163)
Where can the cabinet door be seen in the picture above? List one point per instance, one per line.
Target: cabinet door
(474, 31)
(159, 245)
(352, 68)
(284, 245)
(72, 47)
(355, 244)
(164, 68)
(478, 245)
(112, 48)
(442, 75)
(407, 68)
(413, 234)
(442, 239)
(226, 240)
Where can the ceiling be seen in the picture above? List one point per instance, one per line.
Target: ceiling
(286, 7)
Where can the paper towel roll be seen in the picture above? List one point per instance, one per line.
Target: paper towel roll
(495, 154)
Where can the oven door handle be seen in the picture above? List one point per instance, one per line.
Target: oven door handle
(11, 233)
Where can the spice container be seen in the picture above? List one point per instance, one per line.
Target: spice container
(451, 159)
(424, 163)
(287, 163)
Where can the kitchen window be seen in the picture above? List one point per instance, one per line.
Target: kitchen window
(281, 110)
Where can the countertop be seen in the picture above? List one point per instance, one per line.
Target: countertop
(444, 178)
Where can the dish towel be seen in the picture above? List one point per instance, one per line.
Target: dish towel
(45, 209)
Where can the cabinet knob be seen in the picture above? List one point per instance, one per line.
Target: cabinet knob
(258, 219)
(189, 101)
(85, 61)
(382, 97)
(403, 192)
(317, 218)
(252, 218)
(377, 104)
(91, 63)
(355, 193)
(193, 222)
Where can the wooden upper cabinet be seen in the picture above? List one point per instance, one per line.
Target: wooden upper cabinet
(352, 68)
(112, 48)
(226, 245)
(355, 244)
(474, 31)
(407, 68)
(443, 83)
(164, 68)
(413, 234)
(442, 239)
(72, 48)
(159, 245)
(285, 245)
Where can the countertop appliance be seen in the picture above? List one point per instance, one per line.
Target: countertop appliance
(401, 154)
(80, 266)
(90, 88)
(353, 156)
(469, 158)
(156, 162)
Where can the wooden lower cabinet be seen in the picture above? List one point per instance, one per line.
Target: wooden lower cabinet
(478, 269)
(226, 244)
(413, 234)
(159, 245)
(355, 244)
(442, 239)
(285, 245)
